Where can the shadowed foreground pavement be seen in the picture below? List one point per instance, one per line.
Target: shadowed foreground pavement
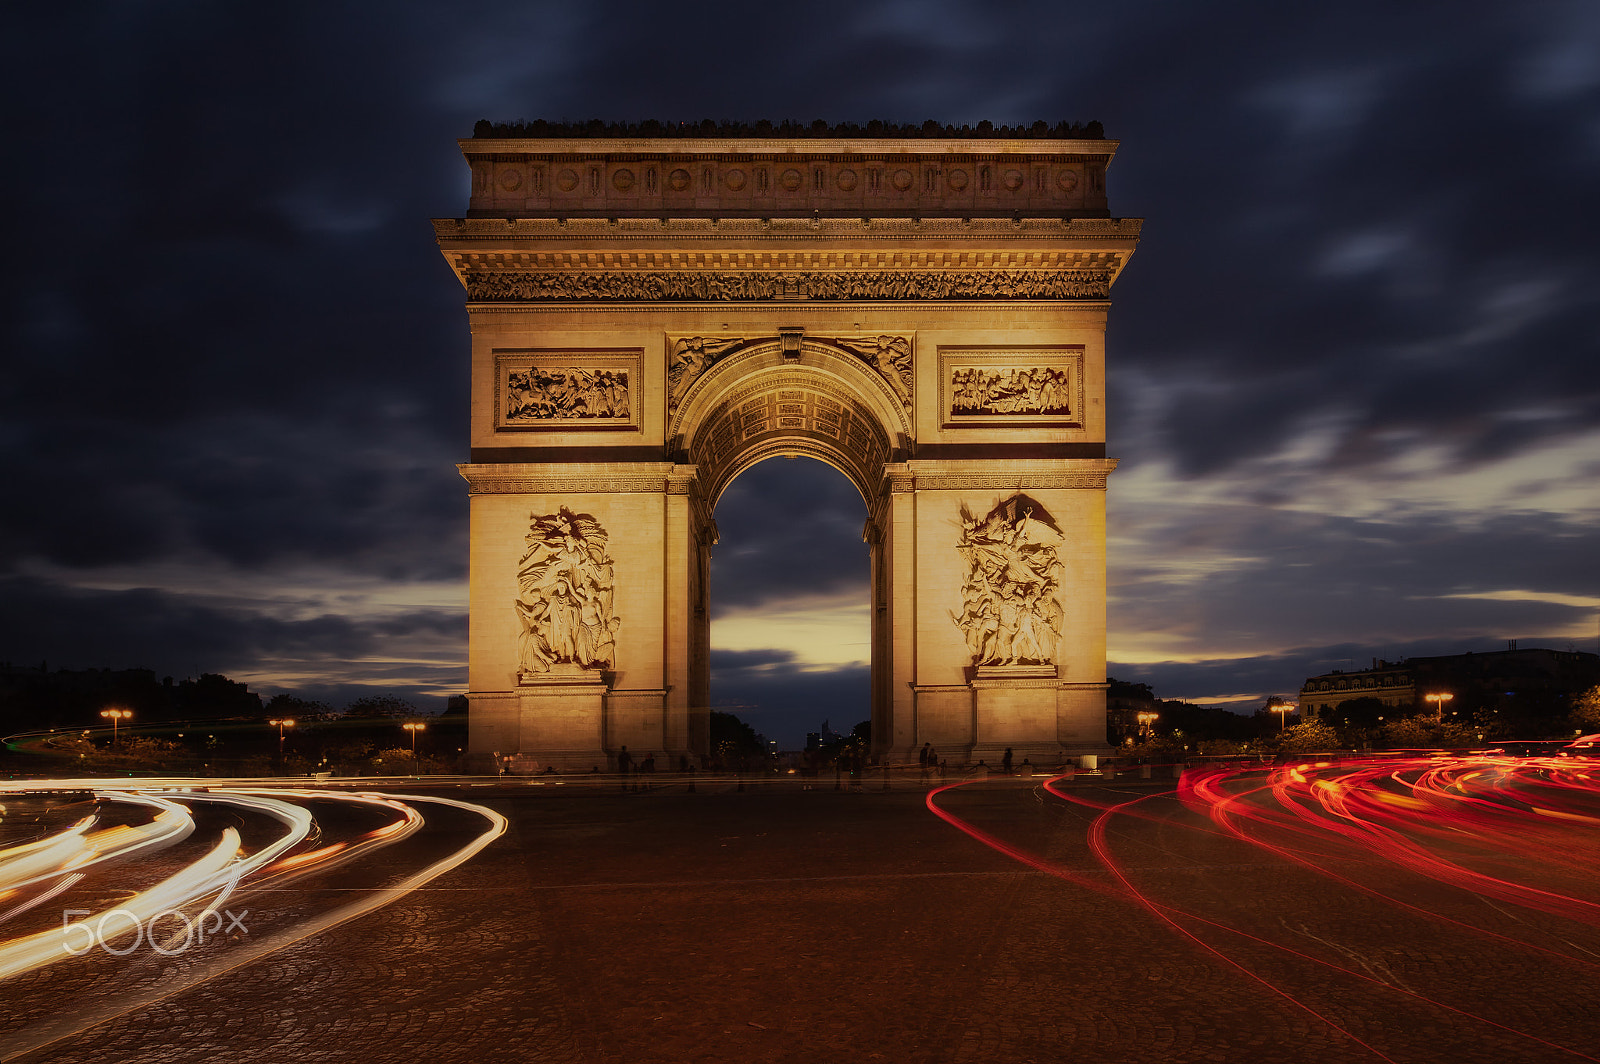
(838, 926)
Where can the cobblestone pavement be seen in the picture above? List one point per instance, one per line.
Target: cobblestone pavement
(833, 926)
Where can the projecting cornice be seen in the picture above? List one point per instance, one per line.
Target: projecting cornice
(721, 230)
(698, 259)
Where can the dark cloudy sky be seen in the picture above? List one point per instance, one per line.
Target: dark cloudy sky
(1353, 371)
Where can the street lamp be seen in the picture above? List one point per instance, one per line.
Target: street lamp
(1283, 710)
(116, 715)
(1146, 721)
(281, 723)
(1438, 701)
(413, 729)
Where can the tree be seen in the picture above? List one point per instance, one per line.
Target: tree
(302, 710)
(214, 695)
(380, 707)
(732, 740)
(1585, 714)
(1309, 737)
(1411, 732)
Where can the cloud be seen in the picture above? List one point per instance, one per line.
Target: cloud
(184, 635)
(789, 529)
(725, 663)
(785, 701)
(1351, 366)
(1215, 581)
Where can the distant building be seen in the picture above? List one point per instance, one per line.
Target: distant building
(1124, 703)
(1536, 676)
(1393, 684)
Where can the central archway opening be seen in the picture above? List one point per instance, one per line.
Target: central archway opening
(790, 601)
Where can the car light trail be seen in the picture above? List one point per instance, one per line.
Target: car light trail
(226, 866)
(1405, 813)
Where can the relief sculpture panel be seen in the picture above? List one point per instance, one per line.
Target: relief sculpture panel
(1010, 603)
(565, 583)
(1028, 390)
(566, 390)
(1024, 387)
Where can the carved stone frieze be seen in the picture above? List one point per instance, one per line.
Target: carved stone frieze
(1010, 603)
(565, 584)
(739, 285)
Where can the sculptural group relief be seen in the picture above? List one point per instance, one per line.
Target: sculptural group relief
(565, 584)
(997, 387)
(1010, 603)
(543, 389)
(535, 394)
(1025, 390)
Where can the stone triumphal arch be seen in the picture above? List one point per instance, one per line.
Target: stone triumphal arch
(652, 315)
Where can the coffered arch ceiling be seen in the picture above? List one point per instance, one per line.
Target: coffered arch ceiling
(757, 404)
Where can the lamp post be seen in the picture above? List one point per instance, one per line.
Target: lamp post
(1438, 699)
(1282, 709)
(116, 716)
(1146, 721)
(413, 729)
(281, 723)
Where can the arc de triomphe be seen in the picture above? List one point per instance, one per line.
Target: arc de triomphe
(652, 316)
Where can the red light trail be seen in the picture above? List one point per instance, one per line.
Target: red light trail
(1479, 830)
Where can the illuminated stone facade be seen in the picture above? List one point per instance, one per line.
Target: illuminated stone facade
(650, 318)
